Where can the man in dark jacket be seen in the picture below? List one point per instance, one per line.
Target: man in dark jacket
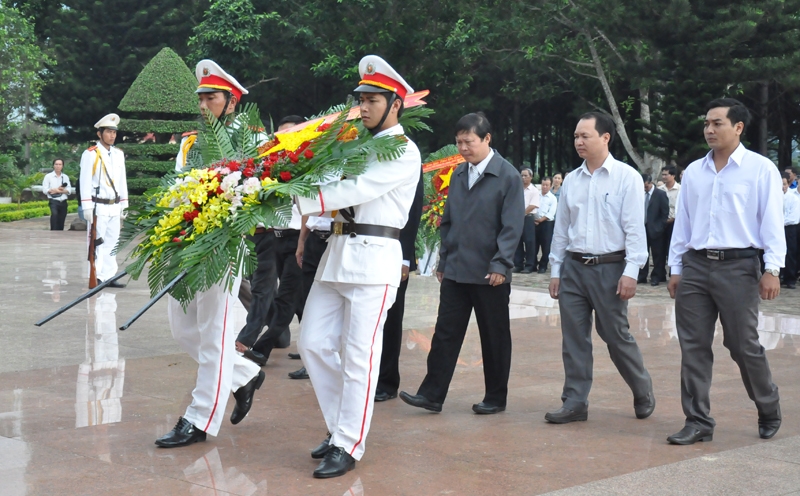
(656, 213)
(389, 379)
(481, 228)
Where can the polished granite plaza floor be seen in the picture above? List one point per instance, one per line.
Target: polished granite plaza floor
(81, 404)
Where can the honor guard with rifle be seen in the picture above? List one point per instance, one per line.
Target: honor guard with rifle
(104, 198)
(203, 329)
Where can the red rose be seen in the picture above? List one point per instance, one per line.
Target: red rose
(286, 175)
(233, 166)
(176, 240)
(273, 157)
(219, 190)
(308, 154)
(294, 158)
(250, 162)
(248, 172)
(183, 232)
(324, 128)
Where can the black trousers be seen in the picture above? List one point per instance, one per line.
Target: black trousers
(525, 257)
(456, 302)
(544, 238)
(789, 272)
(667, 238)
(655, 245)
(289, 298)
(389, 378)
(312, 254)
(262, 287)
(58, 213)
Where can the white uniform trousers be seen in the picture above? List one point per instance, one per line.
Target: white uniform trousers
(341, 342)
(107, 228)
(206, 332)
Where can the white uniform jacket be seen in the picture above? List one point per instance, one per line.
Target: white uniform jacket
(381, 195)
(93, 174)
(187, 141)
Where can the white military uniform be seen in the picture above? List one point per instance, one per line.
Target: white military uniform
(355, 286)
(206, 331)
(103, 177)
(187, 141)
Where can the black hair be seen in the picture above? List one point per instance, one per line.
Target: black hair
(389, 102)
(57, 159)
(547, 178)
(602, 123)
(785, 175)
(671, 170)
(474, 123)
(737, 112)
(291, 119)
(647, 178)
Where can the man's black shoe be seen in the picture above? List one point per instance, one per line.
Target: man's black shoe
(244, 398)
(527, 271)
(384, 396)
(337, 462)
(690, 435)
(654, 283)
(115, 284)
(420, 401)
(183, 434)
(791, 286)
(542, 271)
(516, 270)
(294, 356)
(255, 356)
(641, 281)
(487, 409)
(768, 425)
(299, 374)
(565, 416)
(284, 340)
(319, 452)
(644, 407)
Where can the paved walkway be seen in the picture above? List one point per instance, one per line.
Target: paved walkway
(81, 404)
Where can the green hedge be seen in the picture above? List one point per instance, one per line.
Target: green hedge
(143, 183)
(150, 166)
(155, 126)
(165, 85)
(138, 150)
(5, 207)
(30, 213)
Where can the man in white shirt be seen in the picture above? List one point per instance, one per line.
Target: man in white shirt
(729, 209)
(599, 245)
(791, 220)
(544, 218)
(525, 257)
(57, 188)
(669, 175)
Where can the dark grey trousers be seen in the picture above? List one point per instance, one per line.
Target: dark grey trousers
(728, 290)
(585, 289)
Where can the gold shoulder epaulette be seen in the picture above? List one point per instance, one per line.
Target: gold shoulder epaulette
(91, 148)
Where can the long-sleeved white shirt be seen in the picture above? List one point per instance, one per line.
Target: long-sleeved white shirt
(741, 206)
(51, 181)
(791, 207)
(547, 207)
(601, 213)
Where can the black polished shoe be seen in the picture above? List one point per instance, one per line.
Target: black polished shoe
(644, 407)
(487, 409)
(565, 416)
(768, 425)
(319, 452)
(654, 283)
(791, 286)
(255, 356)
(542, 271)
(690, 435)
(516, 270)
(337, 462)
(420, 401)
(301, 373)
(244, 398)
(183, 434)
(641, 281)
(115, 284)
(294, 356)
(384, 396)
(527, 271)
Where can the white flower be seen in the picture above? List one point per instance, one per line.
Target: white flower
(251, 185)
(230, 181)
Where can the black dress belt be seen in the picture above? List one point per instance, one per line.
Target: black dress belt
(352, 229)
(286, 233)
(323, 235)
(729, 254)
(105, 201)
(589, 259)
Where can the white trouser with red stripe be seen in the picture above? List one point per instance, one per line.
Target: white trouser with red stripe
(341, 340)
(108, 227)
(206, 332)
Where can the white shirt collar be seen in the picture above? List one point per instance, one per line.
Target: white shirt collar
(736, 157)
(481, 166)
(396, 129)
(608, 164)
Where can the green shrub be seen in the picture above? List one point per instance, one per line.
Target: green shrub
(157, 126)
(149, 150)
(5, 207)
(30, 213)
(159, 168)
(143, 183)
(165, 85)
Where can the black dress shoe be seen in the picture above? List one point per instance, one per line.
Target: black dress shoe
(294, 356)
(244, 398)
(255, 356)
(284, 340)
(420, 401)
(565, 416)
(542, 271)
(301, 373)
(690, 435)
(487, 409)
(337, 462)
(319, 452)
(115, 284)
(384, 396)
(527, 271)
(516, 270)
(791, 286)
(768, 425)
(641, 281)
(183, 434)
(644, 407)
(654, 283)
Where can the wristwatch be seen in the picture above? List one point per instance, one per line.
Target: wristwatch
(773, 272)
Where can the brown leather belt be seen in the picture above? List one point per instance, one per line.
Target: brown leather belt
(352, 229)
(263, 230)
(589, 259)
(286, 233)
(105, 201)
(730, 254)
